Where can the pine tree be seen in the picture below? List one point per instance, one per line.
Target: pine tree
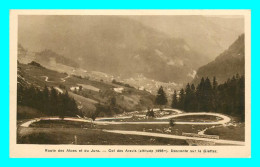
(61, 106)
(161, 98)
(199, 94)
(46, 102)
(207, 100)
(20, 94)
(181, 99)
(188, 98)
(112, 105)
(174, 100)
(193, 105)
(214, 94)
(227, 98)
(38, 99)
(241, 98)
(215, 83)
(53, 102)
(113, 101)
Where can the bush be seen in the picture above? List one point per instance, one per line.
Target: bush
(171, 122)
(150, 113)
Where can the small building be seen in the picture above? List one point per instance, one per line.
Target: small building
(118, 90)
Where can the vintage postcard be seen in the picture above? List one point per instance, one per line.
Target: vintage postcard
(130, 83)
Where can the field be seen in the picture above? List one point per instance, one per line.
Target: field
(226, 133)
(197, 118)
(60, 124)
(89, 87)
(176, 129)
(24, 112)
(229, 132)
(87, 137)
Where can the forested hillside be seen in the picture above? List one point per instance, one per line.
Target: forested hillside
(209, 96)
(60, 94)
(48, 102)
(227, 64)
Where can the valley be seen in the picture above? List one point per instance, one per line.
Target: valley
(131, 80)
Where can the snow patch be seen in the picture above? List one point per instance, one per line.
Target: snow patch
(192, 74)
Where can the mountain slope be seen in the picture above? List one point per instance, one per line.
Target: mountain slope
(46, 57)
(207, 35)
(227, 64)
(112, 44)
(89, 94)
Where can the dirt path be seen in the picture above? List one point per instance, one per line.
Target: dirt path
(232, 142)
(64, 79)
(134, 113)
(169, 109)
(46, 79)
(225, 119)
(28, 123)
(153, 123)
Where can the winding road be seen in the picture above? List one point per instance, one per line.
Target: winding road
(218, 141)
(100, 121)
(64, 79)
(135, 113)
(169, 109)
(109, 120)
(28, 123)
(224, 119)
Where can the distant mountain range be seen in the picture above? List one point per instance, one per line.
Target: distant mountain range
(207, 35)
(47, 57)
(128, 46)
(227, 64)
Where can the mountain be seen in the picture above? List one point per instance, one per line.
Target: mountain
(207, 35)
(112, 44)
(46, 57)
(227, 64)
(89, 94)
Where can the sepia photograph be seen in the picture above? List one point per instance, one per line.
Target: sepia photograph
(135, 80)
